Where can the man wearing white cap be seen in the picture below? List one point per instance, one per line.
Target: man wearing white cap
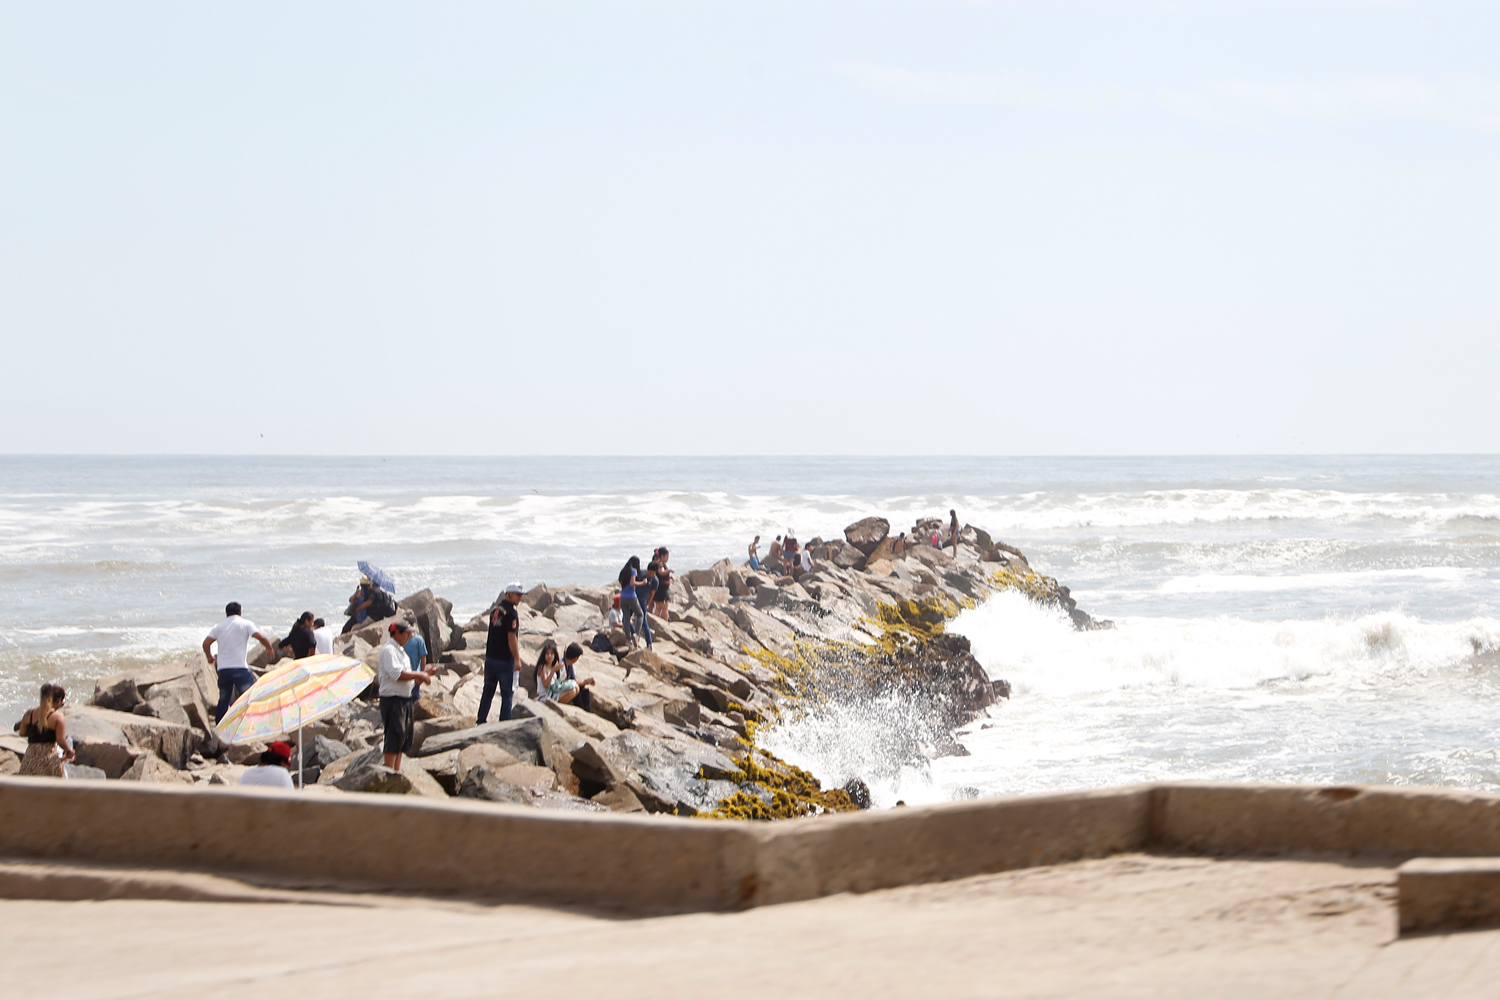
(502, 653)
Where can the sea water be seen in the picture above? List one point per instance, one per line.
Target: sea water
(1281, 619)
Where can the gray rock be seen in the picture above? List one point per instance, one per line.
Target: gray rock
(576, 617)
(322, 751)
(868, 533)
(82, 772)
(480, 782)
(669, 776)
(114, 759)
(521, 737)
(120, 694)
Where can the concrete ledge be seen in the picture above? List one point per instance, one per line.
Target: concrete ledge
(858, 852)
(1444, 894)
(658, 864)
(1355, 819)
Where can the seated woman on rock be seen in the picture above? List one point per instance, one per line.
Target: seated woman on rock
(46, 733)
(552, 680)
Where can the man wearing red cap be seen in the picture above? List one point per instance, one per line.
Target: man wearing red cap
(274, 768)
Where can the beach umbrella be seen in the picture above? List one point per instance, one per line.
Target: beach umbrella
(292, 695)
(378, 576)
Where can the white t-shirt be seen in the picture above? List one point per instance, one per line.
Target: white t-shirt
(324, 638)
(233, 635)
(269, 775)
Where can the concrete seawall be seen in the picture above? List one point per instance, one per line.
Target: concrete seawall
(643, 864)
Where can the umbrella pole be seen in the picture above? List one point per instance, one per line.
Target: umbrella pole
(301, 778)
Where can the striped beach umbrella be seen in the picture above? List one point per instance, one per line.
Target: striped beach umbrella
(292, 695)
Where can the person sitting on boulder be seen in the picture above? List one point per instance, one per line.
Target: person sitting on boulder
(553, 683)
(274, 769)
(614, 619)
(585, 699)
(773, 558)
(360, 603)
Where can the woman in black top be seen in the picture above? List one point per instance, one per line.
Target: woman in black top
(663, 585)
(46, 733)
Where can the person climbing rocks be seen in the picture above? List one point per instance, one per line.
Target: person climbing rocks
(233, 635)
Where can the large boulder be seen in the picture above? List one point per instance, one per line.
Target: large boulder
(670, 775)
(114, 759)
(576, 617)
(433, 620)
(867, 534)
(482, 782)
(74, 771)
(117, 693)
(149, 767)
(377, 778)
(172, 742)
(521, 737)
(486, 754)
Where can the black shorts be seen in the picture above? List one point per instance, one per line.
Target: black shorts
(395, 716)
(661, 595)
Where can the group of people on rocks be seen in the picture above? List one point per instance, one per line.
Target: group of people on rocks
(404, 660)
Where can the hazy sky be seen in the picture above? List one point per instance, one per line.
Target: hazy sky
(561, 227)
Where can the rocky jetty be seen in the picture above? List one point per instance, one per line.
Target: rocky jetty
(672, 729)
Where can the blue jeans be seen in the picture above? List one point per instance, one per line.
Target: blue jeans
(233, 682)
(502, 672)
(630, 608)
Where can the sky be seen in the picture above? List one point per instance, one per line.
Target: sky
(761, 228)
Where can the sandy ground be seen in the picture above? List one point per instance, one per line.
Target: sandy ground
(1127, 926)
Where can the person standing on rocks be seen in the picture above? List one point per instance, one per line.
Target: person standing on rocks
(953, 531)
(789, 549)
(46, 733)
(397, 681)
(502, 652)
(416, 652)
(663, 585)
(754, 560)
(630, 605)
(233, 635)
(274, 769)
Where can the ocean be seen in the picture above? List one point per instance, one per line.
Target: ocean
(1325, 619)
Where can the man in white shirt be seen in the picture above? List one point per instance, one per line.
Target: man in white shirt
(274, 769)
(396, 681)
(323, 636)
(233, 635)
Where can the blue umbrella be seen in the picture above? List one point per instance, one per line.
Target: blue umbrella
(378, 576)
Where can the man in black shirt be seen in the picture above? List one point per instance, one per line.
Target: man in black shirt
(501, 653)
